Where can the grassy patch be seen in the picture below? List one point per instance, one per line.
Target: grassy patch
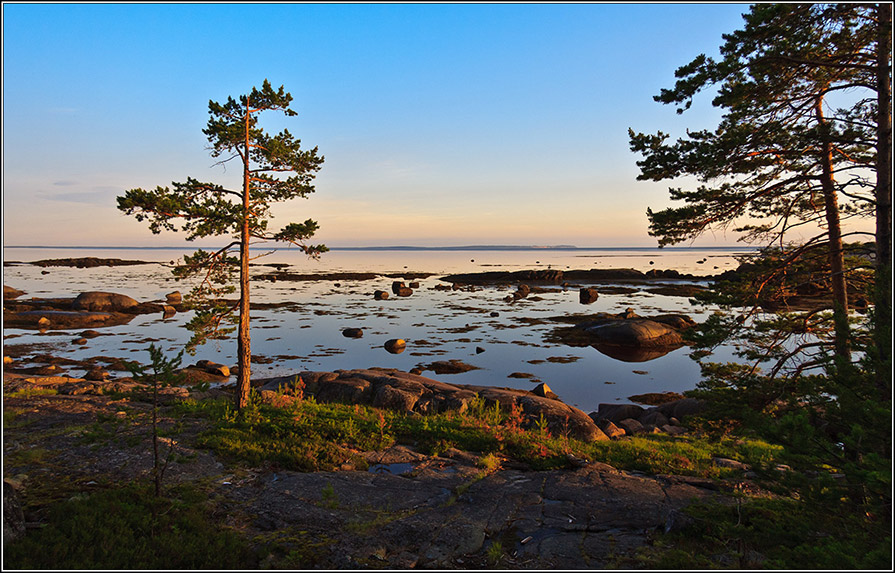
(129, 528)
(26, 456)
(773, 534)
(308, 436)
(32, 392)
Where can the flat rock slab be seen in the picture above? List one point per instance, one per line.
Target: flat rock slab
(578, 519)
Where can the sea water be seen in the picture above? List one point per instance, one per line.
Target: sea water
(304, 331)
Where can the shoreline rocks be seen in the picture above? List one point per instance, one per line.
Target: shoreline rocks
(88, 262)
(89, 309)
(558, 277)
(411, 393)
(616, 420)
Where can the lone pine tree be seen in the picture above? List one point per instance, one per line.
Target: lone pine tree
(274, 169)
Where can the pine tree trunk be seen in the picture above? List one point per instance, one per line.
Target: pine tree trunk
(834, 233)
(156, 475)
(882, 303)
(244, 347)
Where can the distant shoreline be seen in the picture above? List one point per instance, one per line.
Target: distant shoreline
(413, 248)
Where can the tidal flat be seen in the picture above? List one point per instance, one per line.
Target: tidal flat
(300, 309)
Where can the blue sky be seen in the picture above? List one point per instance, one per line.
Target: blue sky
(441, 124)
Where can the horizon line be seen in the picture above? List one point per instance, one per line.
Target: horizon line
(560, 247)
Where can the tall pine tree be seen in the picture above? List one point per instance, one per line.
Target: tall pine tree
(797, 144)
(275, 169)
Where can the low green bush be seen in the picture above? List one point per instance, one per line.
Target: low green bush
(130, 528)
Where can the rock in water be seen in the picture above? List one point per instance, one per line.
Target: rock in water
(396, 345)
(103, 301)
(638, 332)
(353, 333)
(587, 295)
(213, 368)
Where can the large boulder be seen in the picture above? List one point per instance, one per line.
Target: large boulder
(681, 408)
(617, 412)
(631, 426)
(635, 332)
(103, 302)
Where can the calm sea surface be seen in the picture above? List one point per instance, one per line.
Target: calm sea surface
(437, 325)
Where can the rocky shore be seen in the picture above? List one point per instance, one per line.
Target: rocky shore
(411, 510)
(408, 511)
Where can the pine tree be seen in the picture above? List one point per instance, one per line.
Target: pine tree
(275, 169)
(782, 157)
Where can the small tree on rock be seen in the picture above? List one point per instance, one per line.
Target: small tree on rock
(275, 169)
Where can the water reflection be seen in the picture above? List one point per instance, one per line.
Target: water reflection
(633, 354)
(299, 326)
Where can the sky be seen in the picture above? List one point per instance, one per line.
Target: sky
(441, 124)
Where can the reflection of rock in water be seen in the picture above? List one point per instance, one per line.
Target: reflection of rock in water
(633, 353)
